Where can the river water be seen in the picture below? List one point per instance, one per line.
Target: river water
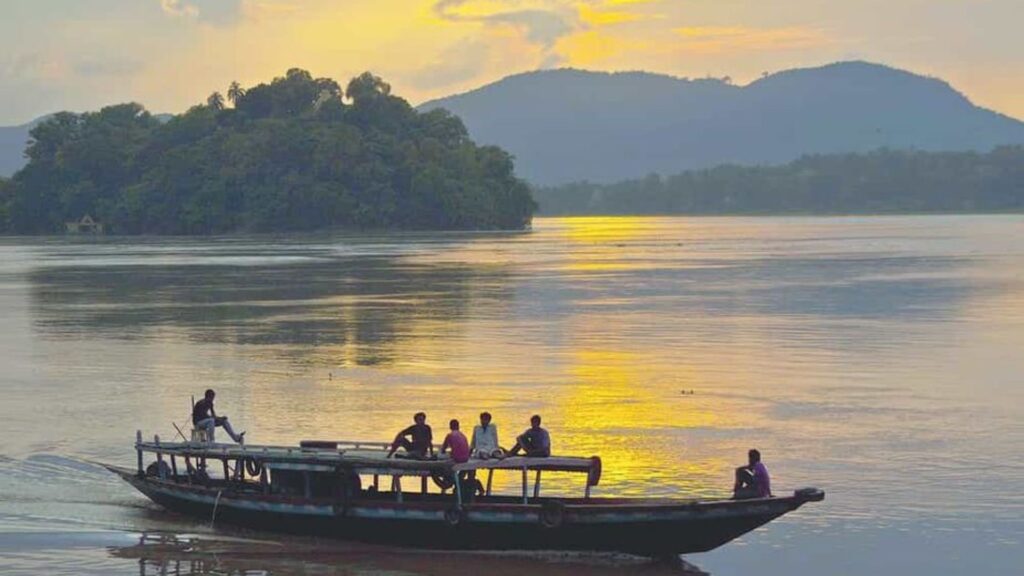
(879, 358)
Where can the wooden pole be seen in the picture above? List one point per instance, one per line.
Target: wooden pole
(159, 455)
(525, 482)
(490, 476)
(138, 448)
(536, 485)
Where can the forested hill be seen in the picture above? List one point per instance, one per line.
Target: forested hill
(572, 125)
(298, 153)
(884, 181)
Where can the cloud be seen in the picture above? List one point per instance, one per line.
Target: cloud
(90, 67)
(179, 8)
(712, 39)
(542, 23)
(215, 12)
(33, 66)
(52, 67)
(268, 10)
(457, 63)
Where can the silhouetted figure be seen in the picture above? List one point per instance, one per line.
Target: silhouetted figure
(535, 442)
(417, 439)
(752, 480)
(204, 417)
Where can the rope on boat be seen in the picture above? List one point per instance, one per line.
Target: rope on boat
(216, 501)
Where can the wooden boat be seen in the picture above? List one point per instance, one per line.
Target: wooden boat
(350, 490)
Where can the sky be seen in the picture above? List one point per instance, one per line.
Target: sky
(170, 54)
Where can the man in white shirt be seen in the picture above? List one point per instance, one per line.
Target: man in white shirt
(485, 439)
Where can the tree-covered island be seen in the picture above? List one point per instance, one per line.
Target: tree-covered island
(298, 153)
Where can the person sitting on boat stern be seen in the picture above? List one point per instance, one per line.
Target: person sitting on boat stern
(485, 439)
(535, 442)
(456, 440)
(417, 440)
(752, 480)
(203, 416)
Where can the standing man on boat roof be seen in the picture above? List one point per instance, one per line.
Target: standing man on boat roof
(420, 439)
(203, 416)
(485, 439)
(535, 442)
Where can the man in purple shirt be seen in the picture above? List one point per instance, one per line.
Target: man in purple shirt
(752, 480)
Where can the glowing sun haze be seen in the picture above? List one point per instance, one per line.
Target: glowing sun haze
(170, 54)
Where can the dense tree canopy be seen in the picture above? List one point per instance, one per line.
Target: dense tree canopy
(5, 202)
(289, 155)
(885, 181)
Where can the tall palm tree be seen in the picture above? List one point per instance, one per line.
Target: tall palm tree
(215, 101)
(235, 92)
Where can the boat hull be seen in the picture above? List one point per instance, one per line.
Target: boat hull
(633, 527)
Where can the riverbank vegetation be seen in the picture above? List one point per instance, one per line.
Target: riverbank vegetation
(885, 181)
(298, 153)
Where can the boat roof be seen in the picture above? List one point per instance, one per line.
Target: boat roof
(364, 457)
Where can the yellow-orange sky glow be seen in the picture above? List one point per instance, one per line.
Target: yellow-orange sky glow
(169, 54)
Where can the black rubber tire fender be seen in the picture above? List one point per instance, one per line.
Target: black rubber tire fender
(159, 469)
(199, 476)
(454, 517)
(444, 479)
(253, 467)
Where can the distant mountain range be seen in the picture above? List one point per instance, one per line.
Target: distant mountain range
(12, 146)
(572, 125)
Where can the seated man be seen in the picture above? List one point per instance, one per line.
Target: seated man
(456, 440)
(752, 480)
(485, 439)
(420, 439)
(535, 442)
(204, 417)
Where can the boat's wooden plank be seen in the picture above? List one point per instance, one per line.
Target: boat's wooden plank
(366, 461)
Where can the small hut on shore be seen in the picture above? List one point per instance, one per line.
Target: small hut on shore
(85, 225)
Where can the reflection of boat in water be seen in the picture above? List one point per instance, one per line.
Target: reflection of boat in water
(337, 489)
(169, 554)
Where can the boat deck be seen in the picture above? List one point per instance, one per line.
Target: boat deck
(365, 457)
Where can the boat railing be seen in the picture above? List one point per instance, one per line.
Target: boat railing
(369, 458)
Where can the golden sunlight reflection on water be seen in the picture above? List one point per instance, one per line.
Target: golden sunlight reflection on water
(854, 352)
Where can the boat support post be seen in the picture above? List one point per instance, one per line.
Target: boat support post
(536, 485)
(159, 455)
(525, 482)
(138, 448)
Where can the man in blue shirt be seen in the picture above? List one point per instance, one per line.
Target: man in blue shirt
(535, 442)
